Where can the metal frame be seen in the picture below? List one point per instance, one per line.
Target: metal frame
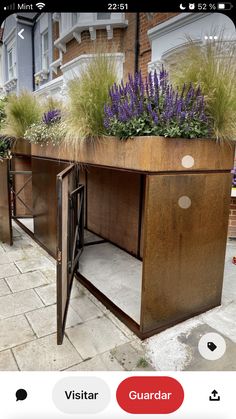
(15, 194)
(75, 223)
(75, 228)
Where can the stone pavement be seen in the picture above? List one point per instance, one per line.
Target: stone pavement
(95, 339)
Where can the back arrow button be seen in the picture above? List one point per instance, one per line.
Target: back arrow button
(20, 34)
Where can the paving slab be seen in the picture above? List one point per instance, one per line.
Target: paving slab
(130, 358)
(102, 362)
(86, 309)
(50, 274)
(4, 259)
(19, 303)
(8, 270)
(48, 293)
(32, 253)
(45, 355)
(4, 289)
(19, 243)
(7, 361)
(33, 264)
(127, 332)
(15, 255)
(95, 337)
(44, 320)
(26, 281)
(15, 331)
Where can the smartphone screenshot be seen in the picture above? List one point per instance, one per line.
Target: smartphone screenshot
(117, 210)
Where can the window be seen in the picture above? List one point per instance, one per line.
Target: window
(45, 51)
(11, 64)
(103, 16)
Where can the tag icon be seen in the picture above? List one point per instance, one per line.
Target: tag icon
(211, 346)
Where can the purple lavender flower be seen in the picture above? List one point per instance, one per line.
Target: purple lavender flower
(154, 101)
(52, 116)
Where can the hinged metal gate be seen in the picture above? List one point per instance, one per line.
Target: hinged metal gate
(70, 225)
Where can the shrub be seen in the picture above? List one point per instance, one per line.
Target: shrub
(21, 112)
(153, 107)
(87, 95)
(5, 147)
(2, 111)
(49, 130)
(213, 68)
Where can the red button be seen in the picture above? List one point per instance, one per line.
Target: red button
(150, 395)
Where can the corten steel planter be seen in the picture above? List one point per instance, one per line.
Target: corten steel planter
(22, 147)
(176, 221)
(5, 204)
(145, 154)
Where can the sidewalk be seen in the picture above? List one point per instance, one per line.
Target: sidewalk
(95, 339)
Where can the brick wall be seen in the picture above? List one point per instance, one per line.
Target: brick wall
(124, 40)
(56, 54)
(87, 46)
(232, 218)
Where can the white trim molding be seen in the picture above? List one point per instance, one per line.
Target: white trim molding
(10, 85)
(176, 22)
(52, 88)
(73, 67)
(55, 65)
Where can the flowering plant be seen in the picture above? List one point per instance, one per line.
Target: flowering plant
(52, 116)
(234, 177)
(49, 131)
(154, 107)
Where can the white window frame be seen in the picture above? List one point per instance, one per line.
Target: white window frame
(45, 52)
(11, 70)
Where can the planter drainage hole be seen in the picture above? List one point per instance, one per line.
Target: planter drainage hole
(187, 161)
(184, 202)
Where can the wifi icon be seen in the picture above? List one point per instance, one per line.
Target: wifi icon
(40, 6)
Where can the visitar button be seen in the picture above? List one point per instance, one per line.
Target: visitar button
(81, 395)
(150, 395)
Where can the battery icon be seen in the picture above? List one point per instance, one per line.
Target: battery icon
(224, 6)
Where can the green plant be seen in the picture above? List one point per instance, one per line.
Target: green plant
(5, 147)
(142, 363)
(51, 103)
(21, 112)
(45, 134)
(88, 94)
(153, 107)
(50, 130)
(212, 66)
(2, 111)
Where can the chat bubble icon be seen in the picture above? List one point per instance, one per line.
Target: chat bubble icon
(21, 394)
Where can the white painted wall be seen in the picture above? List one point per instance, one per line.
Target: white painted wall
(168, 36)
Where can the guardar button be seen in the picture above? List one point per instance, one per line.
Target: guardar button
(150, 395)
